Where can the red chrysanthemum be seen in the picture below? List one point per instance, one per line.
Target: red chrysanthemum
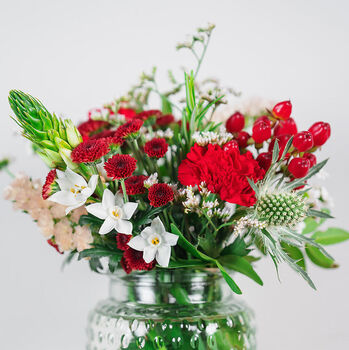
(89, 151)
(92, 126)
(165, 119)
(225, 173)
(144, 115)
(122, 240)
(156, 147)
(49, 184)
(129, 128)
(135, 184)
(133, 260)
(109, 136)
(120, 166)
(54, 245)
(160, 194)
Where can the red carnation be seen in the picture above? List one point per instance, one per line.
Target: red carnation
(89, 151)
(147, 114)
(49, 184)
(92, 126)
(160, 194)
(156, 147)
(133, 260)
(109, 136)
(122, 240)
(165, 120)
(135, 184)
(120, 166)
(129, 128)
(225, 173)
(54, 245)
(129, 113)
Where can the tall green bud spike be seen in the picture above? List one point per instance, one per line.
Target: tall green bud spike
(51, 135)
(282, 209)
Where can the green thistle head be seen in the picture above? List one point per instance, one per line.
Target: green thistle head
(282, 209)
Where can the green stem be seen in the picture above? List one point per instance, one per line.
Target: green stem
(9, 172)
(122, 181)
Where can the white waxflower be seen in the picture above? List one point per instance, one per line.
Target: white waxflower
(74, 190)
(155, 242)
(151, 180)
(115, 213)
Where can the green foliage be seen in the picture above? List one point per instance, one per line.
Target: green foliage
(332, 235)
(295, 254)
(240, 264)
(318, 258)
(238, 247)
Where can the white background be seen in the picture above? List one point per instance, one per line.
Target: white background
(74, 55)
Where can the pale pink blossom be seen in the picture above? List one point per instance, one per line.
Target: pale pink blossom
(63, 233)
(76, 213)
(46, 223)
(82, 238)
(58, 211)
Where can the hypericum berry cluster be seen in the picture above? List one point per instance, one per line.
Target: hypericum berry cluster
(283, 209)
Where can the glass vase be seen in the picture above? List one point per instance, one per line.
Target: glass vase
(170, 309)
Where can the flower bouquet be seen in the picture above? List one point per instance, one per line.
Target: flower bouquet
(171, 203)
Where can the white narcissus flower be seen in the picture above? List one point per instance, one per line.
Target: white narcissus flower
(74, 190)
(155, 243)
(115, 213)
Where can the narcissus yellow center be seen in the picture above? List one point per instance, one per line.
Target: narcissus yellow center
(77, 189)
(155, 241)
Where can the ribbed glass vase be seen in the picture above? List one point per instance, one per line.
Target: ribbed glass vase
(172, 309)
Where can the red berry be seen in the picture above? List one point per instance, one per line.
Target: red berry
(261, 131)
(264, 118)
(242, 139)
(321, 132)
(282, 110)
(311, 157)
(235, 123)
(303, 141)
(264, 160)
(285, 127)
(230, 146)
(299, 167)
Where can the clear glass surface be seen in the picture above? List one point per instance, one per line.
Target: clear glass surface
(173, 309)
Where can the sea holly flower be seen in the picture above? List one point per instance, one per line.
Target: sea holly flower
(155, 243)
(74, 190)
(115, 213)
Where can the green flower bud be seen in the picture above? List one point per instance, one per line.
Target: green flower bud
(66, 156)
(73, 135)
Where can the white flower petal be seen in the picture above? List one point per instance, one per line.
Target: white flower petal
(157, 226)
(64, 184)
(149, 253)
(119, 200)
(64, 198)
(86, 192)
(97, 210)
(108, 225)
(92, 183)
(72, 207)
(147, 232)
(108, 200)
(163, 255)
(123, 226)
(170, 238)
(129, 208)
(75, 178)
(137, 243)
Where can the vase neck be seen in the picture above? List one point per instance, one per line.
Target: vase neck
(180, 286)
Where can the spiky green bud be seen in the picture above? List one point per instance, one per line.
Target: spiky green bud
(282, 209)
(47, 132)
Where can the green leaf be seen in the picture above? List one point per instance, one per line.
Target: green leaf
(69, 258)
(318, 258)
(332, 235)
(185, 244)
(180, 294)
(234, 287)
(319, 214)
(238, 247)
(276, 151)
(241, 265)
(95, 265)
(295, 254)
(254, 186)
(185, 264)
(98, 252)
(113, 262)
(166, 106)
(310, 225)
